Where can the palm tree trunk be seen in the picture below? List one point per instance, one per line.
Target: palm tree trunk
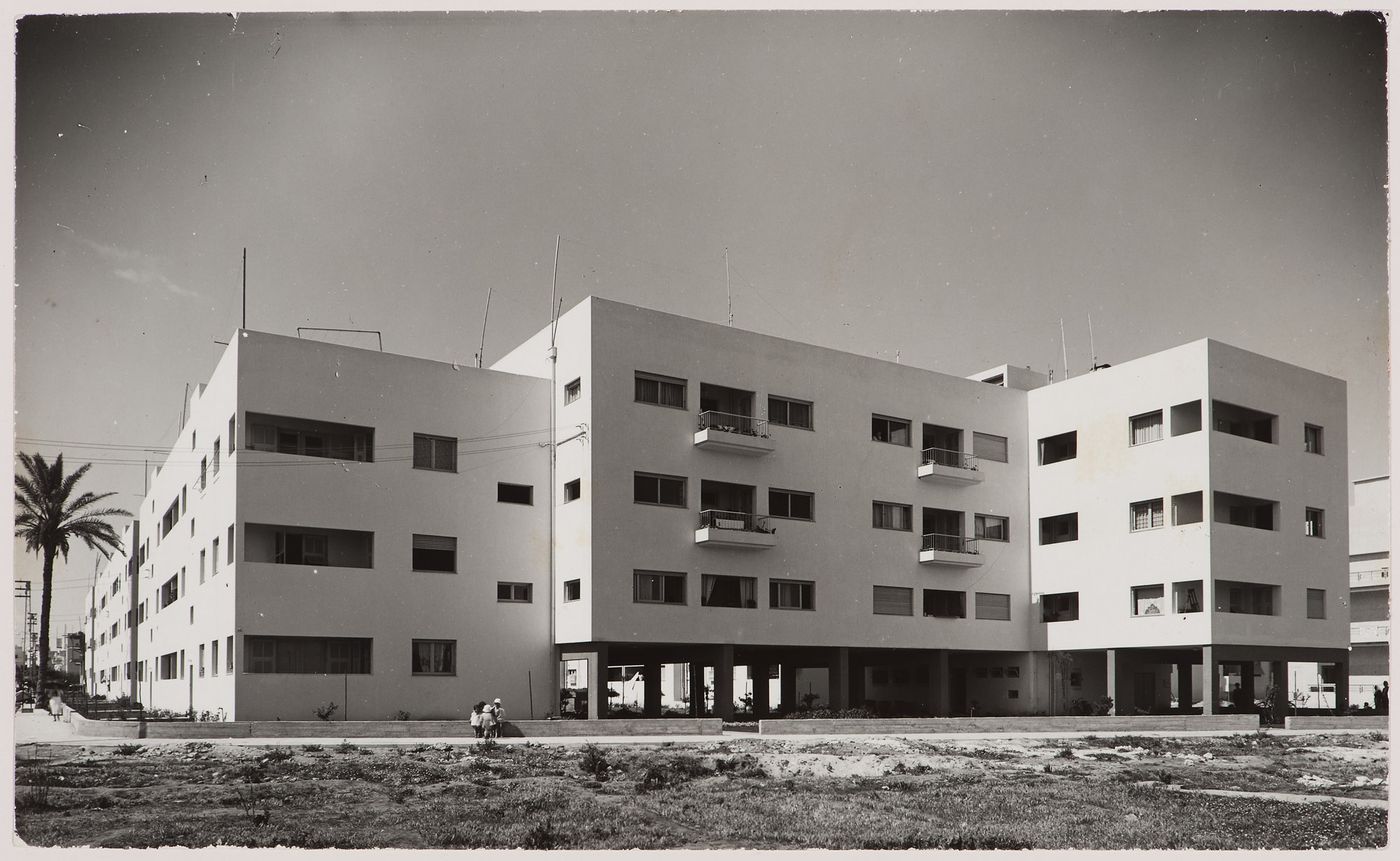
(45, 605)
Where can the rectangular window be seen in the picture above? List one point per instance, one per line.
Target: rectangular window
(891, 515)
(791, 594)
(434, 657)
(1243, 421)
(992, 605)
(1147, 514)
(573, 590)
(232, 444)
(658, 587)
(987, 446)
(890, 430)
(310, 438)
(201, 660)
(1186, 596)
(1145, 428)
(722, 591)
(515, 593)
(793, 504)
(1188, 508)
(573, 490)
(945, 604)
(1245, 511)
(894, 601)
(1054, 449)
(214, 560)
(213, 657)
(437, 453)
(1317, 603)
(203, 473)
(1059, 607)
(1186, 418)
(168, 520)
(991, 527)
(169, 593)
(202, 556)
(306, 655)
(228, 654)
(658, 489)
(181, 667)
(1312, 439)
(1251, 599)
(573, 391)
(435, 553)
(229, 559)
(1312, 522)
(789, 413)
(215, 464)
(1059, 528)
(1149, 600)
(516, 494)
(660, 390)
(168, 666)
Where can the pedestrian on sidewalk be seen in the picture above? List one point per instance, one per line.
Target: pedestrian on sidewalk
(56, 705)
(477, 717)
(488, 722)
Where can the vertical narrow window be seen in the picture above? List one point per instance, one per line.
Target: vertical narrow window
(201, 660)
(214, 559)
(203, 473)
(1317, 603)
(215, 464)
(228, 654)
(214, 657)
(1312, 439)
(894, 601)
(573, 490)
(1313, 522)
(229, 560)
(202, 554)
(573, 391)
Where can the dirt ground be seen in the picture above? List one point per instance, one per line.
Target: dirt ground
(1109, 792)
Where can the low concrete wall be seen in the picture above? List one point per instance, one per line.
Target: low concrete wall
(391, 729)
(1380, 722)
(1107, 723)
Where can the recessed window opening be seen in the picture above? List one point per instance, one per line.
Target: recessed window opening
(1149, 600)
(1064, 446)
(309, 437)
(1145, 428)
(945, 604)
(515, 494)
(1059, 528)
(719, 590)
(1059, 607)
(1243, 421)
(1186, 418)
(1188, 508)
(1252, 599)
(660, 390)
(1245, 511)
(573, 490)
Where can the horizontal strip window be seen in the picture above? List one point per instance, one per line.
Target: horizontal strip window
(307, 655)
(516, 494)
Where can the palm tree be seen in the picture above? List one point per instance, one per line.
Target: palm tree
(47, 518)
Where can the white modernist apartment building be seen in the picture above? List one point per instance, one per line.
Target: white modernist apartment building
(688, 516)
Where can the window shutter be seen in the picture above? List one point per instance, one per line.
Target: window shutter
(991, 605)
(894, 601)
(987, 446)
(435, 542)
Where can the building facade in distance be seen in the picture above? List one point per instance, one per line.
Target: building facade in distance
(730, 520)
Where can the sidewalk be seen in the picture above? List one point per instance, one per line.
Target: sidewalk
(39, 727)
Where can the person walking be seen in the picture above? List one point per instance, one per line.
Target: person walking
(476, 718)
(1383, 698)
(56, 705)
(488, 722)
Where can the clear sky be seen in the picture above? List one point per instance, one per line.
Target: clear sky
(941, 187)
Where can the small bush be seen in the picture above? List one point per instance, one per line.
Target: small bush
(402, 715)
(326, 711)
(542, 836)
(311, 748)
(1065, 753)
(346, 747)
(128, 749)
(831, 714)
(277, 754)
(594, 762)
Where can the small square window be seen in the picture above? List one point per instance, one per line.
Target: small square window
(573, 489)
(1148, 514)
(516, 494)
(515, 593)
(437, 453)
(1313, 522)
(573, 391)
(573, 590)
(434, 657)
(1149, 601)
(1312, 439)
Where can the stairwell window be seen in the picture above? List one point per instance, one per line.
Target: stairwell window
(434, 657)
(660, 390)
(438, 453)
(1148, 514)
(1145, 428)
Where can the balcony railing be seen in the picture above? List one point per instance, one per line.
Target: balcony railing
(733, 423)
(1364, 579)
(739, 521)
(949, 543)
(949, 457)
(1370, 632)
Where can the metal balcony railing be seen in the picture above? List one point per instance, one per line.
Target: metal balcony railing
(949, 457)
(949, 543)
(733, 423)
(1370, 632)
(740, 521)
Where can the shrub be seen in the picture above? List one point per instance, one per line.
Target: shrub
(128, 749)
(326, 711)
(311, 748)
(277, 754)
(542, 836)
(346, 747)
(831, 714)
(402, 715)
(594, 762)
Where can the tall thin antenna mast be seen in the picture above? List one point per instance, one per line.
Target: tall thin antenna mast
(728, 291)
(553, 450)
(1093, 354)
(481, 353)
(245, 288)
(1064, 354)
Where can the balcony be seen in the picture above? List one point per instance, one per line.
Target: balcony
(947, 465)
(1370, 632)
(733, 433)
(940, 549)
(720, 528)
(1378, 578)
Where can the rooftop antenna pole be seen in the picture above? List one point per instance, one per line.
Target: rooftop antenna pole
(728, 291)
(1093, 354)
(481, 354)
(1064, 354)
(245, 287)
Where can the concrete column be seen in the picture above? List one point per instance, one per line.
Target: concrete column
(724, 682)
(938, 682)
(856, 684)
(760, 689)
(1210, 681)
(1111, 680)
(787, 686)
(598, 683)
(838, 678)
(1183, 686)
(651, 689)
(1247, 684)
(1278, 680)
(1343, 684)
(697, 688)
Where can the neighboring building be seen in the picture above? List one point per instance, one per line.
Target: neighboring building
(1370, 588)
(69, 654)
(730, 516)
